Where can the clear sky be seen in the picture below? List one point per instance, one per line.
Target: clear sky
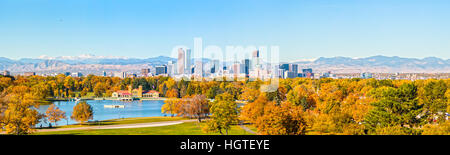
(303, 29)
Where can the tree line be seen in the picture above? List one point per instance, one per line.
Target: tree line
(298, 106)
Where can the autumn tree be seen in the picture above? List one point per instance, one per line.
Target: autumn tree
(82, 112)
(253, 110)
(224, 113)
(170, 106)
(99, 89)
(249, 94)
(196, 106)
(283, 119)
(5, 82)
(54, 114)
(19, 115)
(303, 96)
(439, 129)
(173, 93)
(199, 107)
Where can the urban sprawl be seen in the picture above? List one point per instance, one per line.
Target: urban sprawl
(252, 68)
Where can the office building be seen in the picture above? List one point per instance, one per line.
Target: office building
(187, 60)
(160, 70)
(145, 72)
(181, 61)
(284, 66)
(289, 74)
(67, 73)
(307, 73)
(294, 68)
(198, 69)
(171, 68)
(246, 63)
(77, 74)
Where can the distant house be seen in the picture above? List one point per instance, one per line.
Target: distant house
(29, 74)
(135, 93)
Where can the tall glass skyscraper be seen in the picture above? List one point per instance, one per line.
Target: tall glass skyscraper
(187, 61)
(181, 61)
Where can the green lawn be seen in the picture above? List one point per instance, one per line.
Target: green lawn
(188, 128)
(252, 127)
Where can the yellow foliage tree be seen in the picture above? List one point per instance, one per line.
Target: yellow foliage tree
(54, 114)
(170, 106)
(283, 119)
(20, 117)
(82, 112)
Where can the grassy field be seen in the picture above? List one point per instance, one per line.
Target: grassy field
(126, 121)
(252, 127)
(188, 128)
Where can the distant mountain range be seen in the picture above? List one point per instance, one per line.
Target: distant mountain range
(83, 63)
(95, 64)
(377, 64)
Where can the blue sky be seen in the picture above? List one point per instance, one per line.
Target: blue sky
(303, 29)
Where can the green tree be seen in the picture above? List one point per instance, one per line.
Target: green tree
(224, 113)
(395, 107)
(434, 99)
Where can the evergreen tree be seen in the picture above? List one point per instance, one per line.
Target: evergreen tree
(395, 107)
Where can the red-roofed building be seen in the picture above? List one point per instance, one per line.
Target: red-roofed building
(135, 93)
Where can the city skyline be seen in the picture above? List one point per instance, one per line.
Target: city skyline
(304, 29)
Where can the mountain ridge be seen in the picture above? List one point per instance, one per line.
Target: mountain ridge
(339, 64)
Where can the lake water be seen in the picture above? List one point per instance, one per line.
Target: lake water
(148, 108)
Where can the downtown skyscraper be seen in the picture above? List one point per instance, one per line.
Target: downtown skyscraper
(184, 61)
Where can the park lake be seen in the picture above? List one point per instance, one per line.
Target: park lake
(143, 108)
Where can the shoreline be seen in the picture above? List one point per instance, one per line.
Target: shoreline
(106, 98)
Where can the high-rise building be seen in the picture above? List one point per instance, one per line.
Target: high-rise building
(290, 67)
(293, 68)
(171, 68)
(77, 74)
(215, 66)
(255, 63)
(67, 73)
(246, 63)
(104, 73)
(161, 70)
(198, 68)
(6, 73)
(181, 61)
(145, 71)
(281, 73)
(308, 73)
(309, 70)
(187, 60)
(255, 54)
(284, 66)
(120, 74)
(131, 75)
(236, 68)
(289, 74)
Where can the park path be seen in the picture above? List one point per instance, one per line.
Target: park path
(247, 129)
(120, 126)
